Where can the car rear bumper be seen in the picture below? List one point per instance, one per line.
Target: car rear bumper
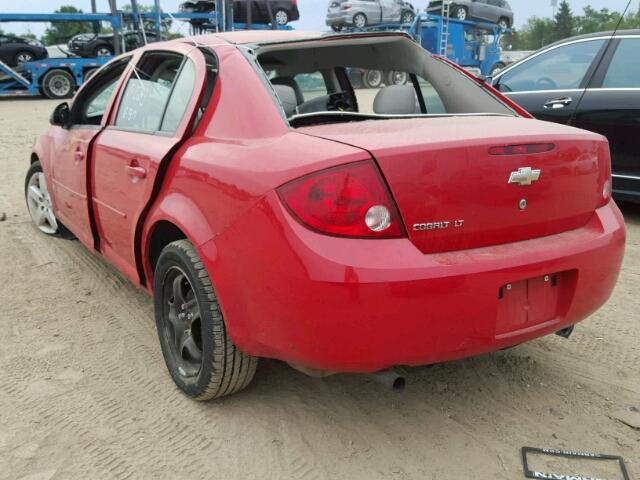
(365, 305)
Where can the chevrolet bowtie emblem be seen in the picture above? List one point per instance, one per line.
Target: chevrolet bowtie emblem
(525, 176)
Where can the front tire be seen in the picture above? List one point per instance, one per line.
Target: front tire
(39, 204)
(281, 17)
(200, 356)
(504, 23)
(24, 57)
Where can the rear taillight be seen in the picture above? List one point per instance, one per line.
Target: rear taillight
(347, 201)
(522, 149)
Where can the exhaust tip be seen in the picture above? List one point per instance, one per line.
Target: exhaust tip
(399, 384)
(391, 379)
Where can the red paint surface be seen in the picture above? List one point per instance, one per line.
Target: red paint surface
(349, 304)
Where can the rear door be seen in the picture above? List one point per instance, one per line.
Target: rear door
(550, 84)
(611, 107)
(153, 115)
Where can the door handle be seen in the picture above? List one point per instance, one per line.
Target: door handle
(135, 171)
(558, 103)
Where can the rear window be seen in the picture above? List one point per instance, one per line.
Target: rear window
(370, 77)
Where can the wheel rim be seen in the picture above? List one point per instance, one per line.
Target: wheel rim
(374, 78)
(407, 18)
(39, 203)
(282, 18)
(182, 323)
(398, 78)
(360, 21)
(103, 52)
(503, 24)
(24, 58)
(60, 85)
(461, 14)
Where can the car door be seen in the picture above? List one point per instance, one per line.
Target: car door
(480, 9)
(550, 84)
(70, 146)
(391, 11)
(151, 119)
(611, 107)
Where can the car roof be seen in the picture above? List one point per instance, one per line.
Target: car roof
(267, 37)
(594, 35)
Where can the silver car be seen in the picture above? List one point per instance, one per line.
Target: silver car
(361, 13)
(494, 11)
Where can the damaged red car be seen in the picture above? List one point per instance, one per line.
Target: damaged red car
(272, 210)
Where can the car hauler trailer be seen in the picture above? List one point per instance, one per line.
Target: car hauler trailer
(60, 77)
(472, 45)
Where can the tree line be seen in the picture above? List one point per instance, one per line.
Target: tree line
(538, 32)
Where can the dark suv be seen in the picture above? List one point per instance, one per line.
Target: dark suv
(91, 45)
(283, 11)
(16, 51)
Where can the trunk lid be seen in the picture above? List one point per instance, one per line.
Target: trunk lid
(453, 194)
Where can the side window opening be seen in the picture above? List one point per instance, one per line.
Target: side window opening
(147, 92)
(212, 75)
(90, 106)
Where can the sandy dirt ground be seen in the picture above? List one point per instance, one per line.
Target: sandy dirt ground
(84, 393)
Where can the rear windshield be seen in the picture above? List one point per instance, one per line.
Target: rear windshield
(344, 78)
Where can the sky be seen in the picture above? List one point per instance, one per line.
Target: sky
(311, 11)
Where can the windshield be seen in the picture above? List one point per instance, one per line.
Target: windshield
(344, 78)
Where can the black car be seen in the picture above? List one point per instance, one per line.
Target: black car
(16, 51)
(283, 11)
(90, 45)
(591, 82)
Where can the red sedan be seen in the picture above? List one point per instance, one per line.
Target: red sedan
(274, 211)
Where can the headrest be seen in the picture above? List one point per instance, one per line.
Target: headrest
(396, 100)
(287, 97)
(290, 82)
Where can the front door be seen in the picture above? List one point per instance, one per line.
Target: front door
(151, 120)
(70, 147)
(550, 85)
(611, 107)
(391, 11)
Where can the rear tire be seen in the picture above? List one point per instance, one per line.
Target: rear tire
(396, 78)
(360, 20)
(373, 78)
(408, 16)
(103, 51)
(200, 356)
(58, 84)
(504, 23)
(459, 13)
